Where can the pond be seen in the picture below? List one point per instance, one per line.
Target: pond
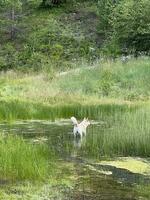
(103, 163)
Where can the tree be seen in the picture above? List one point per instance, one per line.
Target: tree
(9, 15)
(130, 21)
(105, 9)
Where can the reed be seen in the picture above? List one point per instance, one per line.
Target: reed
(15, 109)
(20, 160)
(124, 134)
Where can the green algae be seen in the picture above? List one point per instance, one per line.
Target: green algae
(135, 165)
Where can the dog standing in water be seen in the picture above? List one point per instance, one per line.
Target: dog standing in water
(80, 128)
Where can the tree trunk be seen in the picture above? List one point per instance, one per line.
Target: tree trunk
(12, 30)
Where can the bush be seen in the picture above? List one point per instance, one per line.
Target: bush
(108, 80)
(8, 57)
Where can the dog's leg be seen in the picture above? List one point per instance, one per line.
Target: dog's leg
(84, 131)
(80, 132)
(74, 131)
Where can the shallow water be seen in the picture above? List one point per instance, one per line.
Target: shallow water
(97, 179)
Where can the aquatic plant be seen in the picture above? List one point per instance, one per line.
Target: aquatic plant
(123, 134)
(15, 109)
(22, 160)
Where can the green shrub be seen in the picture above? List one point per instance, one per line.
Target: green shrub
(8, 57)
(106, 82)
(3, 64)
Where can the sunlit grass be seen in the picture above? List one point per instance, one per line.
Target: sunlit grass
(13, 109)
(100, 82)
(114, 92)
(124, 134)
(21, 160)
(125, 81)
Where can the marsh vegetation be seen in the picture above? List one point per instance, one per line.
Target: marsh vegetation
(60, 59)
(115, 97)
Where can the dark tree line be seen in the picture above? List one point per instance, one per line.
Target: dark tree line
(46, 3)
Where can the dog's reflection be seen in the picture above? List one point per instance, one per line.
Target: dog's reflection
(78, 141)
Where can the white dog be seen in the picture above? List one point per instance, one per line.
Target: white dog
(80, 128)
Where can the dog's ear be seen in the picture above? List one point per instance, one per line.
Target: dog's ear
(87, 119)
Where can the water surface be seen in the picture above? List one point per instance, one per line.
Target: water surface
(96, 179)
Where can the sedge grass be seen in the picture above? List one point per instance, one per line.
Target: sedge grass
(20, 160)
(14, 109)
(124, 134)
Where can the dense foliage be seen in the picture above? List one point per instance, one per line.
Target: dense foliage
(131, 25)
(49, 3)
(60, 36)
(126, 24)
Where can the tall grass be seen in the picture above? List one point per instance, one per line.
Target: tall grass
(103, 80)
(125, 134)
(126, 81)
(21, 160)
(130, 135)
(11, 110)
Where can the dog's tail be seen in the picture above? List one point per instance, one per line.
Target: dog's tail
(74, 120)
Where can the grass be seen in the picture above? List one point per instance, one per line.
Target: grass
(13, 109)
(20, 160)
(131, 134)
(102, 92)
(114, 92)
(122, 134)
(102, 80)
(144, 191)
(58, 186)
(82, 91)
(129, 81)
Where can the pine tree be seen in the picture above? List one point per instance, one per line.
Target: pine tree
(10, 10)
